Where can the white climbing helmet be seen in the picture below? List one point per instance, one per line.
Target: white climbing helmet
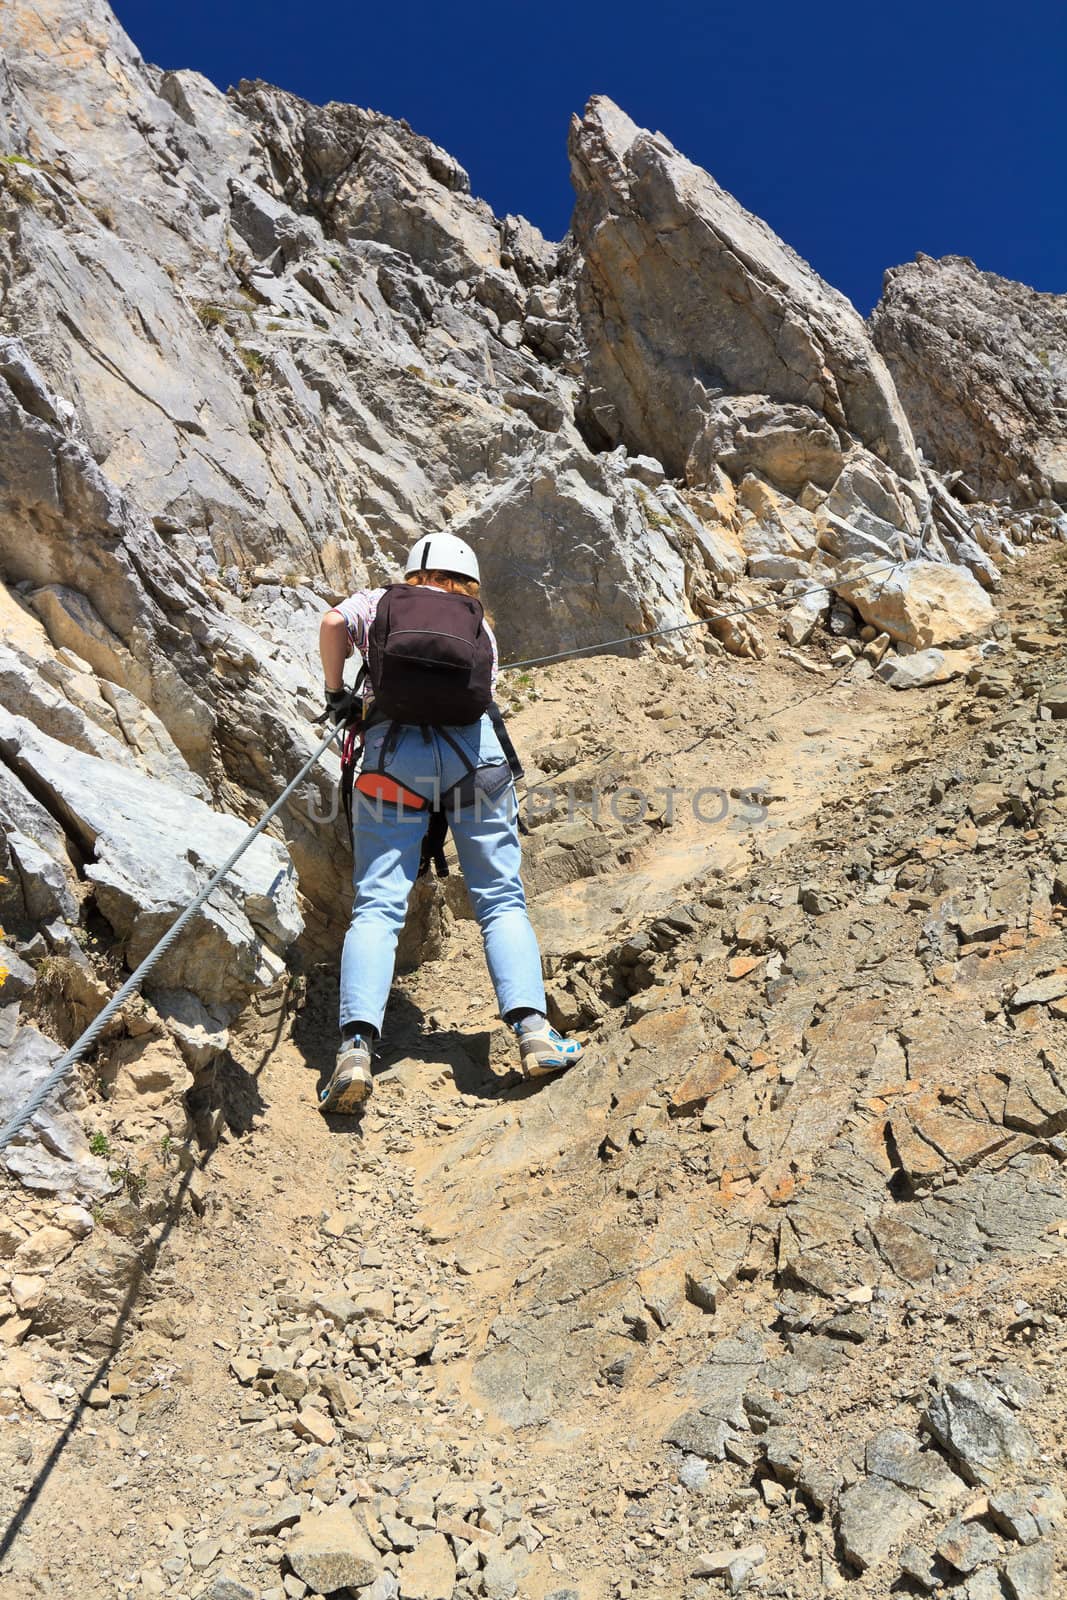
(443, 552)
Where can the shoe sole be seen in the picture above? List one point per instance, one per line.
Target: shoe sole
(347, 1097)
(534, 1068)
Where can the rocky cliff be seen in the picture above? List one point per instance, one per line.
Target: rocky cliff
(250, 348)
(980, 364)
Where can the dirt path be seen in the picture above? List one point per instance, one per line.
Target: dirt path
(320, 1335)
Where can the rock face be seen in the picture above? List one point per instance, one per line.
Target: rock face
(250, 349)
(314, 344)
(980, 364)
(709, 339)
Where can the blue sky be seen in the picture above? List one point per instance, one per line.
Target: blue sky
(861, 132)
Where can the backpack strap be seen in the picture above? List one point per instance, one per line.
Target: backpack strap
(461, 753)
(500, 728)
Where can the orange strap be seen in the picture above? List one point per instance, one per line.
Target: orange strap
(381, 787)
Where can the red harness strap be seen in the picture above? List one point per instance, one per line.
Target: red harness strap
(380, 786)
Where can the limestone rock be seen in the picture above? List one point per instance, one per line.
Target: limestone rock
(429, 1571)
(705, 330)
(575, 526)
(977, 362)
(153, 847)
(51, 1154)
(801, 620)
(160, 641)
(40, 881)
(42, 1401)
(970, 1420)
(894, 1455)
(1040, 992)
(330, 1550)
(18, 977)
(145, 1073)
(967, 1545)
(922, 603)
(201, 1035)
(369, 177)
(43, 1250)
(1029, 1512)
(916, 671)
(872, 1517)
(1030, 1573)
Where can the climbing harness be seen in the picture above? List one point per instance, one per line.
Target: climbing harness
(133, 983)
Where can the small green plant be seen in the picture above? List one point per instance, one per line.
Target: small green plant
(252, 360)
(133, 1182)
(166, 1149)
(1042, 356)
(100, 1144)
(16, 185)
(257, 429)
(212, 316)
(653, 513)
(334, 263)
(96, 1211)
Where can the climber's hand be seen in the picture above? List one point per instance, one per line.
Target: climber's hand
(342, 706)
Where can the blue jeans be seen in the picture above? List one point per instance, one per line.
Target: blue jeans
(386, 843)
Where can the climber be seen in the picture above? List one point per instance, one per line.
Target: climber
(429, 743)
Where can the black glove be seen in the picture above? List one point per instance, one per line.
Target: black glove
(342, 706)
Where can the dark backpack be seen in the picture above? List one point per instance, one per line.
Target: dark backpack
(429, 659)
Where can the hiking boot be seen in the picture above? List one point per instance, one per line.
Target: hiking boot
(351, 1083)
(543, 1051)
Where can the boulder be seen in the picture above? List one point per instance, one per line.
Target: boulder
(872, 1517)
(330, 1550)
(971, 1422)
(920, 603)
(201, 1035)
(917, 671)
(51, 1153)
(150, 848)
(429, 1571)
(810, 610)
(597, 554)
(145, 1074)
(977, 362)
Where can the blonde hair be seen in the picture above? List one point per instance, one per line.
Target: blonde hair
(453, 583)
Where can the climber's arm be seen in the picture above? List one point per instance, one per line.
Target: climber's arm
(334, 647)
